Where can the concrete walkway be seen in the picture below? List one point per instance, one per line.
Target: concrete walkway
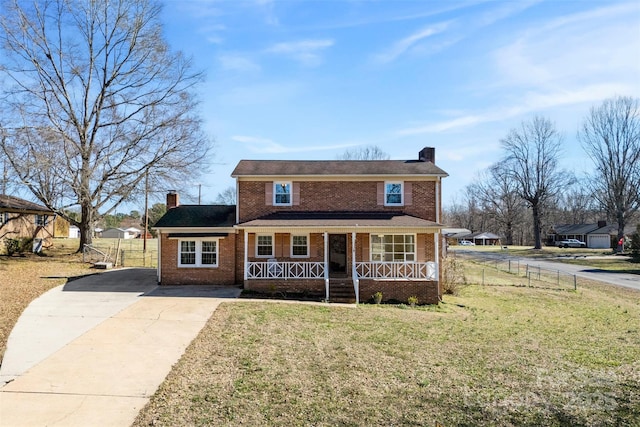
(92, 352)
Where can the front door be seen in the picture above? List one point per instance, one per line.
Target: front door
(337, 254)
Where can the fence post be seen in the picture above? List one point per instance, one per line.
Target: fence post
(575, 282)
(538, 272)
(529, 276)
(558, 278)
(509, 266)
(122, 258)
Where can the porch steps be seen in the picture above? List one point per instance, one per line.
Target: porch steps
(341, 290)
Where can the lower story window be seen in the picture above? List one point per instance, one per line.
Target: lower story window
(393, 248)
(264, 246)
(299, 246)
(198, 253)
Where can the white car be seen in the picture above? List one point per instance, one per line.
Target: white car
(571, 243)
(466, 243)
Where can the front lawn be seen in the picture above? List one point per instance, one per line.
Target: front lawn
(491, 356)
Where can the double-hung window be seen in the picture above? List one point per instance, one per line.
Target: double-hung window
(393, 193)
(40, 220)
(299, 246)
(4, 218)
(264, 245)
(282, 193)
(198, 253)
(393, 248)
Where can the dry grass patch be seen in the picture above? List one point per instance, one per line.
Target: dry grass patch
(23, 279)
(492, 355)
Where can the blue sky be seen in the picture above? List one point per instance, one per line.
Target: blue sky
(311, 79)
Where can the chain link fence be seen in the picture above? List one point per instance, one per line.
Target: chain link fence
(519, 273)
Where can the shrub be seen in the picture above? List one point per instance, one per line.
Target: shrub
(17, 246)
(452, 275)
(635, 245)
(412, 300)
(377, 297)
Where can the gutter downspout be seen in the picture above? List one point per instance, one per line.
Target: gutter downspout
(159, 257)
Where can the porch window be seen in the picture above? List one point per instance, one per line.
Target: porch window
(264, 245)
(393, 247)
(198, 253)
(299, 246)
(393, 194)
(41, 220)
(282, 193)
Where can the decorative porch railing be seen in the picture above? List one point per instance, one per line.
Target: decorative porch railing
(397, 270)
(285, 270)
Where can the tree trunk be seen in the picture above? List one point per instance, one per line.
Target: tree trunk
(86, 234)
(536, 227)
(621, 224)
(509, 233)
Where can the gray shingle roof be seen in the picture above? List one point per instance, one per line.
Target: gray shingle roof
(335, 167)
(339, 219)
(11, 203)
(198, 216)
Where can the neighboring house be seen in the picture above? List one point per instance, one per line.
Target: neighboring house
(482, 238)
(596, 236)
(333, 229)
(133, 231)
(117, 233)
(74, 232)
(21, 218)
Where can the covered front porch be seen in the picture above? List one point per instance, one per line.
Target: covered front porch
(398, 261)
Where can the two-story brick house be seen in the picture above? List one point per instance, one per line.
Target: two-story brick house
(327, 228)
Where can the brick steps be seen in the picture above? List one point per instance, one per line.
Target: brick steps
(341, 291)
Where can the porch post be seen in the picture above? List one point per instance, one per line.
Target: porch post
(326, 265)
(436, 237)
(246, 249)
(354, 273)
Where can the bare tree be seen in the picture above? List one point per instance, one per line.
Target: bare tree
(369, 152)
(531, 161)
(227, 196)
(94, 100)
(499, 198)
(611, 137)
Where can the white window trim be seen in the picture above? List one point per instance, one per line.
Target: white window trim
(42, 223)
(401, 193)
(198, 263)
(275, 185)
(308, 243)
(415, 246)
(273, 242)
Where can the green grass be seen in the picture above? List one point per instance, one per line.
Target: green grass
(493, 355)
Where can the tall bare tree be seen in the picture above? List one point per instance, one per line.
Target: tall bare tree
(498, 197)
(531, 161)
(369, 152)
(227, 196)
(611, 137)
(94, 100)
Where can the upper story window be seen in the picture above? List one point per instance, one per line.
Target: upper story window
(4, 218)
(41, 220)
(393, 193)
(299, 246)
(282, 193)
(264, 245)
(198, 253)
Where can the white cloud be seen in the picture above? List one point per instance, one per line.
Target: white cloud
(306, 52)
(405, 44)
(235, 62)
(267, 146)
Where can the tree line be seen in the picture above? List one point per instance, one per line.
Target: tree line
(528, 191)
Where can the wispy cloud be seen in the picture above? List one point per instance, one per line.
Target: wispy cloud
(268, 146)
(237, 62)
(530, 103)
(405, 44)
(306, 52)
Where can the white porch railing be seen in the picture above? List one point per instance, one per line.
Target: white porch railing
(397, 270)
(285, 270)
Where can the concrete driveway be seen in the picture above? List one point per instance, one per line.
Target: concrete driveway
(93, 351)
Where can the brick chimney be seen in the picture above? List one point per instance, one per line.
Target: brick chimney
(172, 199)
(427, 154)
(602, 223)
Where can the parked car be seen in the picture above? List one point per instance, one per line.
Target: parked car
(571, 243)
(466, 243)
